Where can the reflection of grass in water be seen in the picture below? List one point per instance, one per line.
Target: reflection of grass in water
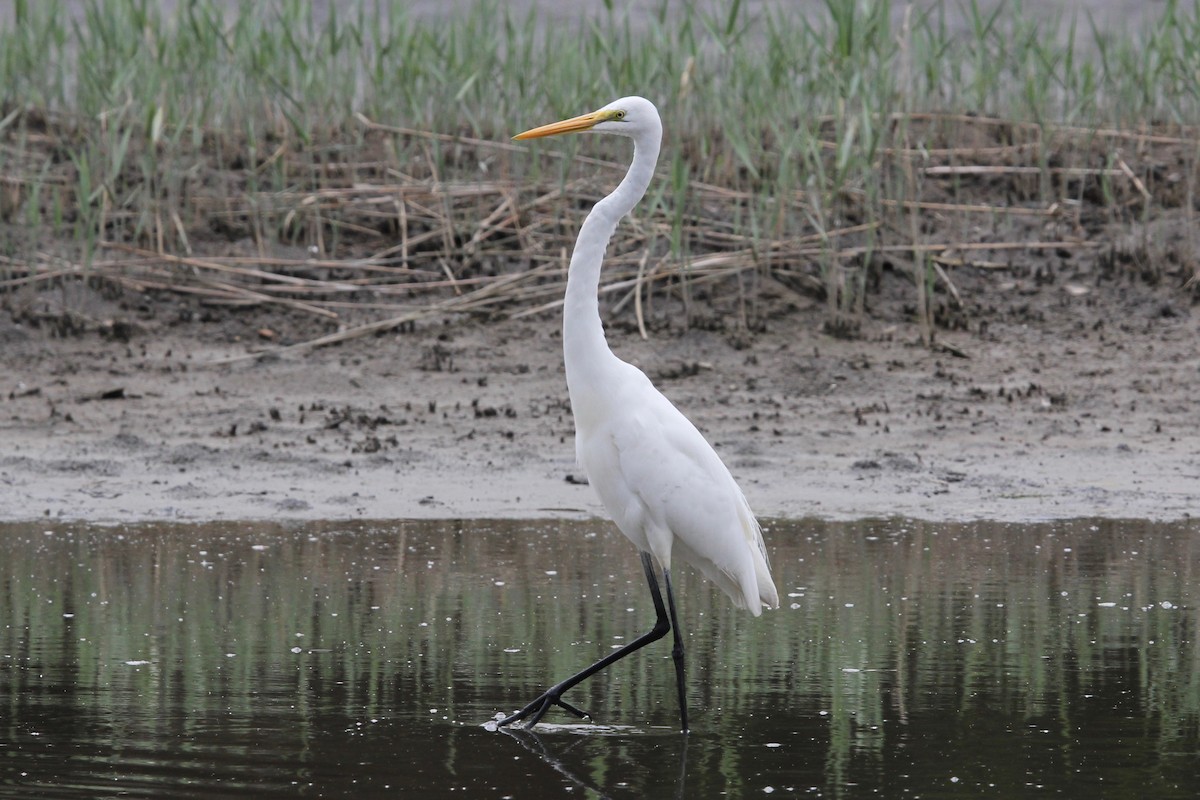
(1008, 623)
(885, 626)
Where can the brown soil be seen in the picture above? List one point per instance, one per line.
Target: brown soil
(1076, 397)
(1063, 381)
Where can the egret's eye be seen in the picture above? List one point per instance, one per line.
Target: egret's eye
(618, 114)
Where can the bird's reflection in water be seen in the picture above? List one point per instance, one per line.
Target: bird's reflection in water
(554, 758)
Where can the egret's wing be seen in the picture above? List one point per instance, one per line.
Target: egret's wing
(669, 491)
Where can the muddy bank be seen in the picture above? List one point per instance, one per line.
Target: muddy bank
(1087, 411)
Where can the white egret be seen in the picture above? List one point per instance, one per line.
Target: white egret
(662, 483)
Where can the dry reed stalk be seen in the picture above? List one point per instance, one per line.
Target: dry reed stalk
(942, 246)
(480, 298)
(1137, 183)
(37, 277)
(982, 169)
(504, 216)
(697, 275)
(203, 263)
(935, 152)
(637, 295)
(371, 264)
(445, 227)
(969, 208)
(950, 287)
(1072, 131)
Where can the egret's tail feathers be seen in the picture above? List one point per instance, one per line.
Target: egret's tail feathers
(768, 596)
(757, 590)
(764, 588)
(748, 585)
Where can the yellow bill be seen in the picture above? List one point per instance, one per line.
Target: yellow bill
(583, 122)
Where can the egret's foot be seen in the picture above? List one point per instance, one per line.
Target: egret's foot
(538, 708)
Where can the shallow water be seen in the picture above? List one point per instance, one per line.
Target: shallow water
(337, 660)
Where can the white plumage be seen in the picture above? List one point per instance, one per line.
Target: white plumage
(660, 480)
(668, 491)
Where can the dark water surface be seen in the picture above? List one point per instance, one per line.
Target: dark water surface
(361, 660)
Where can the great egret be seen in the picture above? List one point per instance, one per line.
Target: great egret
(661, 482)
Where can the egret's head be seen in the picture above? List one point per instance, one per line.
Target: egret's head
(630, 116)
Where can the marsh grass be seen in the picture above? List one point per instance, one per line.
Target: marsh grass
(357, 166)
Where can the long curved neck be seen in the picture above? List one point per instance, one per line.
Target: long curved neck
(585, 350)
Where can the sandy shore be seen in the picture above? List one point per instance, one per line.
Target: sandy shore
(471, 420)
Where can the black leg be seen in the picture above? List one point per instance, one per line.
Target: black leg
(677, 654)
(553, 696)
